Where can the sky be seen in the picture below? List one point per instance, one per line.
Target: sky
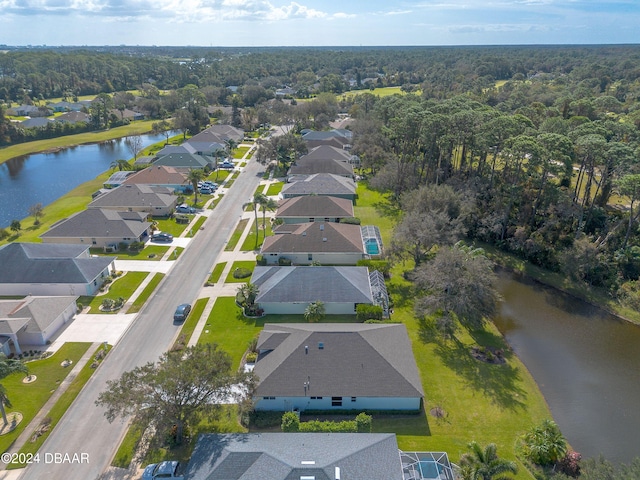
(318, 22)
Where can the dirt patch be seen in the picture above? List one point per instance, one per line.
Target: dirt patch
(14, 419)
(438, 412)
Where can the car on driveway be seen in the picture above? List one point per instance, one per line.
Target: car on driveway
(181, 313)
(184, 208)
(162, 237)
(206, 191)
(227, 164)
(167, 469)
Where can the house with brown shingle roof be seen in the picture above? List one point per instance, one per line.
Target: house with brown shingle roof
(325, 243)
(160, 176)
(314, 208)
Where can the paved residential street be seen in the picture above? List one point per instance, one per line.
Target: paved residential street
(84, 429)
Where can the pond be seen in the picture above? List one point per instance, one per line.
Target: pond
(585, 361)
(45, 177)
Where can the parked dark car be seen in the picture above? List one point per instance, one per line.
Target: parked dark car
(162, 237)
(181, 313)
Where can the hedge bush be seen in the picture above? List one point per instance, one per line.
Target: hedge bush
(290, 422)
(366, 312)
(284, 262)
(350, 220)
(261, 261)
(241, 272)
(381, 265)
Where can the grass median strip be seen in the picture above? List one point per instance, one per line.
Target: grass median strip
(235, 236)
(217, 272)
(123, 287)
(146, 293)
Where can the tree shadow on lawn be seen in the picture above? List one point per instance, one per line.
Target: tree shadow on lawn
(499, 382)
(402, 294)
(387, 209)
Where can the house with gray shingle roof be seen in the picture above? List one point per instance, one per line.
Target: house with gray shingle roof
(100, 227)
(33, 320)
(313, 208)
(36, 122)
(336, 366)
(306, 166)
(321, 184)
(73, 117)
(304, 243)
(185, 161)
(51, 269)
(170, 149)
(156, 201)
(335, 138)
(324, 152)
(289, 456)
(289, 290)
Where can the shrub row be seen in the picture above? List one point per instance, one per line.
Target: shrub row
(361, 424)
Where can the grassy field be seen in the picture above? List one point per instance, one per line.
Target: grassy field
(28, 398)
(239, 152)
(37, 146)
(248, 265)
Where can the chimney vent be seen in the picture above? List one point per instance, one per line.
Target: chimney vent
(320, 345)
(306, 349)
(337, 475)
(321, 226)
(324, 239)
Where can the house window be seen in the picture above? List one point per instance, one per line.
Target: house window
(336, 401)
(353, 399)
(309, 256)
(268, 398)
(312, 219)
(316, 398)
(326, 219)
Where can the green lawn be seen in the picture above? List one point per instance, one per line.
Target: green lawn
(249, 265)
(146, 293)
(275, 188)
(216, 200)
(250, 241)
(239, 152)
(62, 405)
(235, 236)
(29, 398)
(217, 272)
(150, 252)
(121, 287)
(196, 226)
(170, 225)
(219, 175)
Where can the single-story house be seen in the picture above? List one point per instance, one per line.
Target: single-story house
(36, 122)
(206, 148)
(127, 114)
(321, 184)
(336, 366)
(185, 161)
(160, 176)
(289, 290)
(100, 227)
(33, 320)
(327, 152)
(73, 117)
(335, 138)
(307, 166)
(157, 201)
(313, 208)
(299, 456)
(51, 269)
(172, 149)
(218, 134)
(23, 110)
(304, 243)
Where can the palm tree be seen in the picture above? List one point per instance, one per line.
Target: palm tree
(544, 444)
(484, 464)
(246, 295)
(121, 165)
(267, 204)
(194, 176)
(258, 199)
(217, 155)
(314, 312)
(7, 367)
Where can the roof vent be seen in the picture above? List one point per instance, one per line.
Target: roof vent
(337, 475)
(308, 462)
(306, 349)
(322, 226)
(324, 239)
(304, 234)
(320, 345)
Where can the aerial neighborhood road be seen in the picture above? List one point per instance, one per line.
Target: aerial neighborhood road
(84, 431)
